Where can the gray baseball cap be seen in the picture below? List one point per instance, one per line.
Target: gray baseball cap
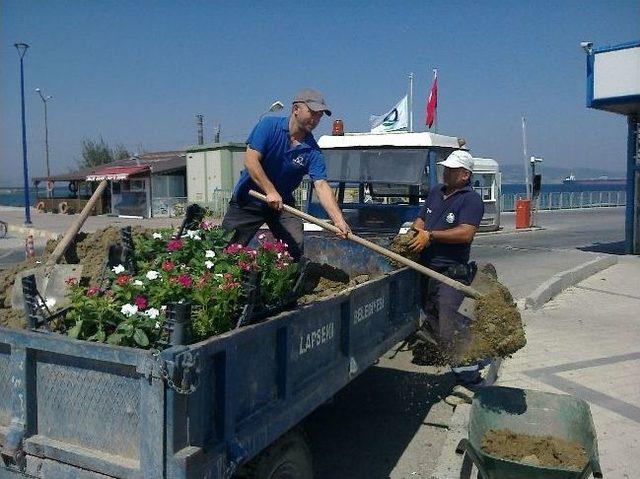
(313, 99)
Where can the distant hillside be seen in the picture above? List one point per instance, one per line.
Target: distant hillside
(515, 173)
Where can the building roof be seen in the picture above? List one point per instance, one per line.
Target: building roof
(152, 163)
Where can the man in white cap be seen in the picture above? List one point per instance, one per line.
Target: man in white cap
(445, 228)
(280, 152)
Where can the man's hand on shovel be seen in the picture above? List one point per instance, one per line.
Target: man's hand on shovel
(344, 228)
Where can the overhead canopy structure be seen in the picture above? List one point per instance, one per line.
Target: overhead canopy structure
(117, 173)
(613, 84)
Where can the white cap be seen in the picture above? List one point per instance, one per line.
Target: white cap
(459, 159)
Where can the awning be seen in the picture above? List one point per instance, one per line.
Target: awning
(117, 173)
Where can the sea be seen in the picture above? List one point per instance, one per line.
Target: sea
(15, 196)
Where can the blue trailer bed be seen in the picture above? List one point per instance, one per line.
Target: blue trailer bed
(74, 409)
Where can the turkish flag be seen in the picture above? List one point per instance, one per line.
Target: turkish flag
(432, 102)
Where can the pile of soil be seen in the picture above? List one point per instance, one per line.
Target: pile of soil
(89, 250)
(546, 451)
(497, 330)
(324, 280)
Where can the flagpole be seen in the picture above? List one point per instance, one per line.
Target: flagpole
(411, 102)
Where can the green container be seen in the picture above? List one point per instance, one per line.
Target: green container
(535, 413)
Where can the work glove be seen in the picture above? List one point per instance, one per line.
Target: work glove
(421, 240)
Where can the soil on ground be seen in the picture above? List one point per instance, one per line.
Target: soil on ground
(546, 451)
(89, 249)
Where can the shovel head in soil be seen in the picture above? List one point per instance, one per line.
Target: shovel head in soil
(482, 282)
(51, 277)
(52, 286)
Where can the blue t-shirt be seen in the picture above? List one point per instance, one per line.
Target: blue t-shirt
(463, 207)
(284, 165)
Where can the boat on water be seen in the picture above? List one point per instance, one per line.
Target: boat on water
(602, 180)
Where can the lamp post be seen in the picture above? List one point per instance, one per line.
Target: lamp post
(46, 135)
(275, 106)
(22, 49)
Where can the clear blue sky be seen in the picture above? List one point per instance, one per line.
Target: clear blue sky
(136, 72)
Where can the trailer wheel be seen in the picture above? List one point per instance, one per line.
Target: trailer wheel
(288, 458)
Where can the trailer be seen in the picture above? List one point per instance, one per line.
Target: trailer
(72, 408)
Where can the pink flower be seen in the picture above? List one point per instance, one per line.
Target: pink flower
(233, 248)
(141, 302)
(168, 265)
(93, 290)
(184, 280)
(269, 246)
(244, 265)
(281, 247)
(203, 279)
(251, 252)
(207, 225)
(229, 285)
(71, 281)
(281, 264)
(123, 279)
(174, 244)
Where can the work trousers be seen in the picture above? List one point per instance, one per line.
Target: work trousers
(441, 307)
(245, 220)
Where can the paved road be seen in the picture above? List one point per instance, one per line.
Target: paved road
(12, 249)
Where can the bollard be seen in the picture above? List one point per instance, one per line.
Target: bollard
(128, 250)
(29, 247)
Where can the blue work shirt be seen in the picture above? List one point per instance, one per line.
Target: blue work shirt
(463, 207)
(284, 165)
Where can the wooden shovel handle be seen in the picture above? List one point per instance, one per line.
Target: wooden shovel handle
(468, 290)
(73, 229)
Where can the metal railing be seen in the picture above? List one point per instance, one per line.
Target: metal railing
(558, 200)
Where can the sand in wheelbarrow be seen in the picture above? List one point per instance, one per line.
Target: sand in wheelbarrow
(546, 451)
(88, 249)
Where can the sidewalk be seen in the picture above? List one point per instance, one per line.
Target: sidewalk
(49, 225)
(586, 342)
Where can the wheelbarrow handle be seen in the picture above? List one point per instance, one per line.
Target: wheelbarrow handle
(592, 467)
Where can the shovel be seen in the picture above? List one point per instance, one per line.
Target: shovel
(468, 305)
(51, 277)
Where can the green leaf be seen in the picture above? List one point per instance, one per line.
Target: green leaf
(140, 337)
(101, 336)
(75, 331)
(115, 338)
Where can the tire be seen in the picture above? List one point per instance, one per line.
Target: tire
(288, 458)
(3, 229)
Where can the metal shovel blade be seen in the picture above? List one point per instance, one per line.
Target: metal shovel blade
(52, 287)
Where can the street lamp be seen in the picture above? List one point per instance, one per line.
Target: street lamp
(275, 106)
(22, 49)
(46, 135)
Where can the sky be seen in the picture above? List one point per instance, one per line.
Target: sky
(137, 72)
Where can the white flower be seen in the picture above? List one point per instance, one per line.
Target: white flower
(218, 275)
(262, 236)
(137, 282)
(129, 309)
(193, 234)
(118, 269)
(157, 324)
(208, 264)
(279, 255)
(152, 275)
(210, 253)
(50, 302)
(152, 313)
(157, 236)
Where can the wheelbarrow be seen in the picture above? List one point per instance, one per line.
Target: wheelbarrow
(536, 413)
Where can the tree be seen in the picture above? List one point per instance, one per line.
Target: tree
(98, 152)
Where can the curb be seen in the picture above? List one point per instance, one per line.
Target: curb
(451, 465)
(565, 279)
(29, 230)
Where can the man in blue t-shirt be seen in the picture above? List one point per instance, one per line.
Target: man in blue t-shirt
(280, 152)
(446, 226)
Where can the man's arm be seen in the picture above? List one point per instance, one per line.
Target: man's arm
(252, 161)
(329, 203)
